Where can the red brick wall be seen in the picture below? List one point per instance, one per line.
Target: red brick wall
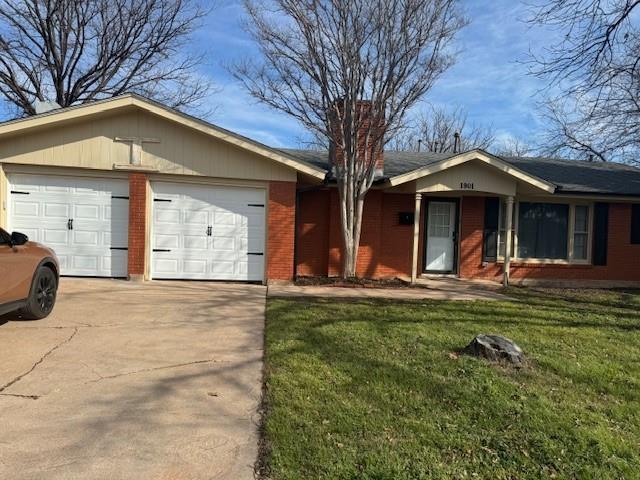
(313, 233)
(623, 259)
(385, 245)
(281, 231)
(137, 222)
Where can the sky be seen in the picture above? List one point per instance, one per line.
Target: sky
(489, 79)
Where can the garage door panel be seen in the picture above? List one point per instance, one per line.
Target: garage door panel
(32, 233)
(54, 237)
(226, 268)
(168, 216)
(59, 210)
(84, 245)
(253, 245)
(167, 241)
(88, 212)
(254, 221)
(87, 263)
(195, 217)
(25, 209)
(222, 217)
(224, 244)
(213, 228)
(85, 238)
(193, 242)
(166, 267)
(63, 261)
(55, 188)
(195, 266)
(18, 183)
(254, 266)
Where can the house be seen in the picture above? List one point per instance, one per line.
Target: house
(127, 187)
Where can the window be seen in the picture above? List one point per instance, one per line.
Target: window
(548, 231)
(543, 230)
(580, 232)
(635, 223)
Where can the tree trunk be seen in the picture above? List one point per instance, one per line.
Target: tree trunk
(351, 216)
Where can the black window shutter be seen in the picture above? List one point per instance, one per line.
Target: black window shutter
(490, 237)
(600, 233)
(635, 223)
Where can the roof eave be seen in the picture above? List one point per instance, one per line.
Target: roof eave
(464, 157)
(130, 99)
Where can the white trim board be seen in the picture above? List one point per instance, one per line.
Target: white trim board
(479, 155)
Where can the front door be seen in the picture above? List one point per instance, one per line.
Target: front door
(441, 236)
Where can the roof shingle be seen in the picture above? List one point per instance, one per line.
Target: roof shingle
(569, 176)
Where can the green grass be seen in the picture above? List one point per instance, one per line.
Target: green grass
(375, 389)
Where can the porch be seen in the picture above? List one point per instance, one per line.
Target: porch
(462, 213)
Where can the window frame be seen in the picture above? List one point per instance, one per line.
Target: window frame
(570, 233)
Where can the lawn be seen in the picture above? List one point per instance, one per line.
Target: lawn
(376, 389)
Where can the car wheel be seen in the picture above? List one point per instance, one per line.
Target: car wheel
(43, 294)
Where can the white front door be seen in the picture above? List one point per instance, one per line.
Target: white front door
(84, 220)
(203, 232)
(441, 217)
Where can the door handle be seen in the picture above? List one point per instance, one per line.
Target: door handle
(70, 224)
(209, 231)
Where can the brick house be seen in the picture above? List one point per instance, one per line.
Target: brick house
(127, 187)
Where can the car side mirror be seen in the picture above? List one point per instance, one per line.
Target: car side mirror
(18, 239)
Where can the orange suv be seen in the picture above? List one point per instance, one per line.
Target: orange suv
(29, 274)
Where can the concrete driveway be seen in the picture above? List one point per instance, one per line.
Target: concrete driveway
(160, 380)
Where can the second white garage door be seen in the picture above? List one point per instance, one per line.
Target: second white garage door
(204, 232)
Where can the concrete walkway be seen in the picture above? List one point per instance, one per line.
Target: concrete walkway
(427, 288)
(160, 380)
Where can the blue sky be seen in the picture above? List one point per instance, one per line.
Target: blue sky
(487, 80)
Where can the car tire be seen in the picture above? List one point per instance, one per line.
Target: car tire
(42, 297)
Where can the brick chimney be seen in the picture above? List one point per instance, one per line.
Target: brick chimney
(364, 109)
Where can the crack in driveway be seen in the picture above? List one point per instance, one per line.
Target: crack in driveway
(30, 397)
(33, 367)
(153, 369)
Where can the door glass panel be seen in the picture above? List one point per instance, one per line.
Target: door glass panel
(440, 220)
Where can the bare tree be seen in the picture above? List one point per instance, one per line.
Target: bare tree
(597, 69)
(74, 51)
(349, 70)
(573, 133)
(435, 130)
(513, 147)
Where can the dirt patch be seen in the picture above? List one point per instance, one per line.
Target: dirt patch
(353, 282)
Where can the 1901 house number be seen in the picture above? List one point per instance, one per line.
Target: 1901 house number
(466, 185)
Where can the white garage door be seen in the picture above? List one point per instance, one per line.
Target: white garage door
(84, 220)
(208, 232)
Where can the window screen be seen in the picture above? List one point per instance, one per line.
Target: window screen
(543, 230)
